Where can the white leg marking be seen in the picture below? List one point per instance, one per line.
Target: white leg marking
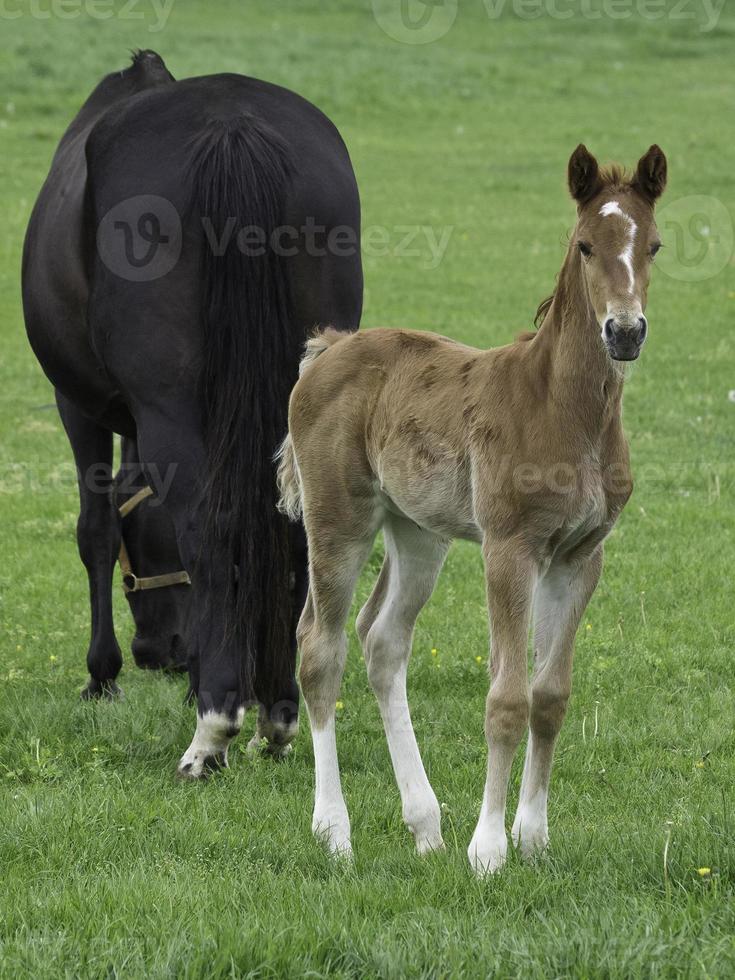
(413, 561)
(331, 821)
(530, 827)
(323, 655)
(212, 736)
(555, 593)
(560, 599)
(489, 845)
(421, 812)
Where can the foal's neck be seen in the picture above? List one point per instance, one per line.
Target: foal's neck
(582, 379)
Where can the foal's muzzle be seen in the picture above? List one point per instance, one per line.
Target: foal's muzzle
(624, 336)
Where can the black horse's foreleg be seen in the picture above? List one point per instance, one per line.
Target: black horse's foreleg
(98, 538)
(172, 453)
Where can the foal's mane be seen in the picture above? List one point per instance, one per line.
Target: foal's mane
(612, 178)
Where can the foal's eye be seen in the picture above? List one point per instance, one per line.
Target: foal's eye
(585, 249)
(655, 249)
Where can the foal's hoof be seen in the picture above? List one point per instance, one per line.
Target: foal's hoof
(487, 856)
(333, 832)
(531, 841)
(429, 844)
(201, 766)
(97, 690)
(338, 846)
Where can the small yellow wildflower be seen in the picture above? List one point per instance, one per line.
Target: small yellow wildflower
(699, 764)
(95, 749)
(704, 872)
(434, 651)
(479, 660)
(588, 627)
(339, 705)
(53, 658)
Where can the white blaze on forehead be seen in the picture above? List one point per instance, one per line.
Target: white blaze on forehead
(626, 256)
(612, 207)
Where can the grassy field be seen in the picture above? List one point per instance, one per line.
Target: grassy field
(111, 868)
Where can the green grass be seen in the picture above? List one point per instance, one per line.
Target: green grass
(108, 866)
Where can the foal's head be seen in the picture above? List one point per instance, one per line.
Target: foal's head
(617, 241)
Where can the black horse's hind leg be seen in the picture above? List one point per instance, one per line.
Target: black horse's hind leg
(277, 691)
(172, 447)
(98, 537)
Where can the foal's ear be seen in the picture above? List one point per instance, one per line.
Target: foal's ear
(584, 175)
(650, 177)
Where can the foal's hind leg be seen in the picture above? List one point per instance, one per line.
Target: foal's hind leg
(335, 561)
(560, 600)
(413, 559)
(98, 538)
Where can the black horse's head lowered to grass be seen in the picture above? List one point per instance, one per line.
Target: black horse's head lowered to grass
(156, 586)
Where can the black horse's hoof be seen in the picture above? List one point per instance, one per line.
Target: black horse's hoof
(197, 767)
(98, 690)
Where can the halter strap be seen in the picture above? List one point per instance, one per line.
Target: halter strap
(131, 582)
(134, 501)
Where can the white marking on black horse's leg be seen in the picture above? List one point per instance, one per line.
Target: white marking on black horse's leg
(208, 750)
(413, 560)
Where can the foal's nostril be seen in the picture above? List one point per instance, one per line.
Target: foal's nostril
(609, 329)
(642, 329)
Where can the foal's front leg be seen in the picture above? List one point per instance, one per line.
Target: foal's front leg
(511, 576)
(413, 559)
(561, 598)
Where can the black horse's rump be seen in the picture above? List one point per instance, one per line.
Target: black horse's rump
(176, 259)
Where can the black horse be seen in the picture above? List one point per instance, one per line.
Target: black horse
(189, 236)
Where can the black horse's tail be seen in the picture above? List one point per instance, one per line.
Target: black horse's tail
(241, 169)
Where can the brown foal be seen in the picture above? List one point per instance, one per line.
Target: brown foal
(521, 449)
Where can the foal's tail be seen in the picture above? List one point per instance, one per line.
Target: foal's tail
(241, 169)
(289, 479)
